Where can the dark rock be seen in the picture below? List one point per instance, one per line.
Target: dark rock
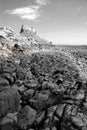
(8, 68)
(33, 85)
(26, 117)
(52, 97)
(80, 120)
(53, 87)
(21, 89)
(9, 77)
(28, 94)
(6, 123)
(77, 94)
(40, 117)
(51, 111)
(39, 101)
(47, 128)
(21, 74)
(59, 110)
(3, 82)
(9, 101)
(30, 129)
(53, 128)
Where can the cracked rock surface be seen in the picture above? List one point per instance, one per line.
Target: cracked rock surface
(43, 91)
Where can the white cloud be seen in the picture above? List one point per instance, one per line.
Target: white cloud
(29, 12)
(78, 9)
(42, 2)
(86, 22)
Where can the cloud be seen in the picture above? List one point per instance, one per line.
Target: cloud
(29, 12)
(42, 2)
(78, 9)
(86, 22)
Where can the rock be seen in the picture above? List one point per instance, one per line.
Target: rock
(26, 30)
(55, 89)
(51, 111)
(59, 110)
(20, 74)
(19, 83)
(12, 116)
(21, 89)
(28, 94)
(39, 101)
(52, 97)
(17, 61)
(40, 117)
(53, 128)
(30, 129)
(33, 85)
(6, 123)
(74, 110)
(67, 84)
(47, 128)
(26, 117)
(79, 120)
(80, 95)
(9, 77)
(77, 94)
(7, 68)
(3, 82)
(9, 101)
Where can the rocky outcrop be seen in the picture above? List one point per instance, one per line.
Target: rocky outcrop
(26, 29)
(26, 41)
(35, 40)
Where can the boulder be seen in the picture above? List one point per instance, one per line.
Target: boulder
(26, 117)
(9, 101)
(3, 82)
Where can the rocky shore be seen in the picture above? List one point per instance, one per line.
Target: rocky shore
(42, 91)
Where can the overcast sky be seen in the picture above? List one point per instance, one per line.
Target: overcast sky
(60, 21)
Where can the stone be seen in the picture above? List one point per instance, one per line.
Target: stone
(21, 89)
(26, 117)
(77, 94)
(9, 101)
(28, 94)
(21, 74)
(39, 101)
(30, 129)
(3, 82)
(32, 85)
(51, 111)
(53, 128)
(9, 77)
(53, 87)
(40, 117)
(59, 110)
(79, 120)
(6, 123)
(47, 128)
(80, 95)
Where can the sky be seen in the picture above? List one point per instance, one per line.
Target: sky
(59, 21)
